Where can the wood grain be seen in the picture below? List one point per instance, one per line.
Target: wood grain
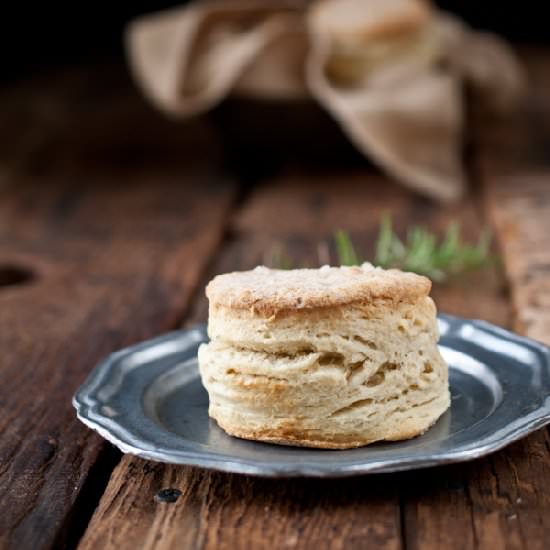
(514, 164)
(501, 501)
(116, 232)
(226, 511)
(229, 511)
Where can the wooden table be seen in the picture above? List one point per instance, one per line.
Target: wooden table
(111, 221)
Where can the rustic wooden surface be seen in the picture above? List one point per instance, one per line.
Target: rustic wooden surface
(515, 167)
(115, 251)
(120, 217)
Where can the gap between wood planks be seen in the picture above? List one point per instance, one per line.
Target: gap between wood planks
(88, 498)
(98, 478)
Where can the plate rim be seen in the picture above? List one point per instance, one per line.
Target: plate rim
(117, 434)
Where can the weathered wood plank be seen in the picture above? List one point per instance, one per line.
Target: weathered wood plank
(116, 222)
(514, 164)
(502, 501)
(497, 502)
(230, 511)
(225, 511)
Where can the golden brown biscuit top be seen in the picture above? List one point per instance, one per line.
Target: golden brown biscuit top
(269, 291)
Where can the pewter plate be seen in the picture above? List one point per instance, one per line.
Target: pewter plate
(148, 400)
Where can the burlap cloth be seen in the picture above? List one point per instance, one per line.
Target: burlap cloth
(408, 119)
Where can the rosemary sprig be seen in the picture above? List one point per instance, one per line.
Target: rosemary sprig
(345, 250)
(420, 252)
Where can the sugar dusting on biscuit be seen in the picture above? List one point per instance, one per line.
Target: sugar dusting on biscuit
(269, 291)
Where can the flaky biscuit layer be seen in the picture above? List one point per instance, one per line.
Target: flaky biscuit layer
(338, 376)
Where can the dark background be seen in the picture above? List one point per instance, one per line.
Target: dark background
(36, 36)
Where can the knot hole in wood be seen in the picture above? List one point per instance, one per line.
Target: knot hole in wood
(11, 275)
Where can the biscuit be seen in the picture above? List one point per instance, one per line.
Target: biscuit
(366, 21)
(329, 358)
(370, 37)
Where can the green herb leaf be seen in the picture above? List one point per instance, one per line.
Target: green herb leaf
(384, 243)
(420, 252)
(345, 250)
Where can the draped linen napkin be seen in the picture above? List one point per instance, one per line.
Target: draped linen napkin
(408, 118)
